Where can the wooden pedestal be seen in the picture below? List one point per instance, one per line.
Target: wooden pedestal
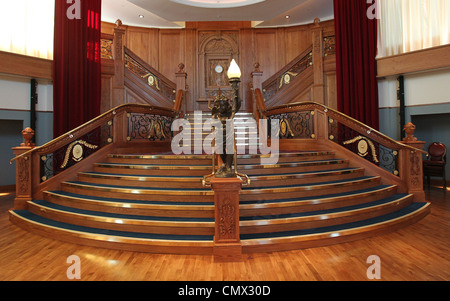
(227, 243)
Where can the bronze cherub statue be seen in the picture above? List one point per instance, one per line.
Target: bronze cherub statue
(223, 110)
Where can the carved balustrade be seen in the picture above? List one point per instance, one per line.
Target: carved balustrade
(145, 82)
(39, 168)
(401, 162)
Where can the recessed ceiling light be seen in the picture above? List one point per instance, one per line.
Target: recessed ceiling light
(141, 16)
(287, 17)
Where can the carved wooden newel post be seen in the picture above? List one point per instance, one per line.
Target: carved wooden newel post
(413, 164)
(24, 190)
(227, 243)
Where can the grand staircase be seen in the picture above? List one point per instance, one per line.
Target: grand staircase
(114, 182)
(156, 203)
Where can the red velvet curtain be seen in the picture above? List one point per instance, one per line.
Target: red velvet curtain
(356, 67)
(77, 64)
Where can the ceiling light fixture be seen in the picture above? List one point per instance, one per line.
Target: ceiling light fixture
(217, 3)
(141, 16)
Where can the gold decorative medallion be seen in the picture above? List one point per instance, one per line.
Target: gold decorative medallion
(151, 80)
(363, 147)
(285, 128)
(76, 149)
(77, 153)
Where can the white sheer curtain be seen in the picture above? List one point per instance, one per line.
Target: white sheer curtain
(408, 25)
(26, 27)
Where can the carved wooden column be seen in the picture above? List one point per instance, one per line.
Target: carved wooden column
(411, 164)
(24, 191)
(413, 170)
(181, 76)
(256, 84)
(317, 39)
(227, 243)
(118, 85)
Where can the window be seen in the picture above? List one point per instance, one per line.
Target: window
(27, 27)
(409, 25)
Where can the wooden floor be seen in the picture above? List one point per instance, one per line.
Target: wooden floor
(418, 252)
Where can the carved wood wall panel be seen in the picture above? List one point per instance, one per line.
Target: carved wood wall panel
(204, 45)
(216, 50)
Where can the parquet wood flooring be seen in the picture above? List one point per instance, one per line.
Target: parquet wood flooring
(419, 252)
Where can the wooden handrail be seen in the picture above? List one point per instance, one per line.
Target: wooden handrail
(94, 123)
(150, 68)
(344, 119)
(260, 103)
(288, 66)
(178, 101)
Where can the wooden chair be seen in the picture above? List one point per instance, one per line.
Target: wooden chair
(435, 163)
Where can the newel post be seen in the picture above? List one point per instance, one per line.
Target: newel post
(256, 84)
(227, 242)
(24, 191)
(118, 87)
(181, 77)
(318, 88)
(412, 164)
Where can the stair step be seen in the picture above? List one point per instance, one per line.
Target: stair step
(141, 181)
(314, 203)
(314, 237)
(123, 222)
(206, 159)
(321, 218)
(202, 244)
(140, 193)
(201, 170)
(132, 241)
(196, 181)
(204, 209)
(205, 226)
(314, 189)
(132, 207)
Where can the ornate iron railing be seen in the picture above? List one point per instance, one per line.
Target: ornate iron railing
(127, 123)
(355, 136)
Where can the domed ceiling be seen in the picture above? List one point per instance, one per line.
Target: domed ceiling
(173, 13)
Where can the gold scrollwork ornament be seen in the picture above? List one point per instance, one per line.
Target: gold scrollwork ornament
(363, 147)
(76, 149)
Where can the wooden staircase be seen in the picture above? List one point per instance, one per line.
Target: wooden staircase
(156, 203)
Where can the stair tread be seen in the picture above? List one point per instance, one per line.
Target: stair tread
(284, 164)
(103, 174)
(393, 198)
(97, 231)
(107, 186)
(193, 203)
(121, 216)
(175, 157)
(320, 197)
(124, 201)
(43, 203)
(340, 227)
(414, 207)
(313, 184)
(207, 190)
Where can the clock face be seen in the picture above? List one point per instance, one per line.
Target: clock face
(219, 69)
